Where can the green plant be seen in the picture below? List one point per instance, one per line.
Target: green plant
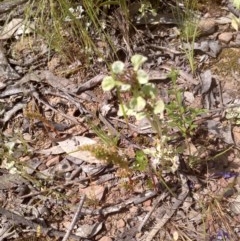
(11, 149)
(70, 28)
(236, 3)
(188, 28)
(236, 20)
(181, 116)
(59, 23)
(233, 114)
(143, 102)
(108, 140)
(137, 97)
(108, 154)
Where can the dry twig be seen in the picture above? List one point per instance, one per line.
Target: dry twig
(75, 218)
(161, 198)
(17, 219)
(169, 214)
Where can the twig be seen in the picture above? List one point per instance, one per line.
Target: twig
(7, 231)
(161, 198)
(17, 219)
(123, 205)
(90, 83)
(169, 214)
(75, 218)
(8, 115)
(36, 96)
(182, 73)
(172, 51)
(9, 5)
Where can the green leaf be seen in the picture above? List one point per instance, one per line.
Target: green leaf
(175, 164)
(235, 23)
(150, 89)
(118, 67)
(108, 83)
(159, 107)
(137, 61)
(122, 110)
(140, 115)
(231, 115)
(236, 4)
(173, 75)
(141, 163)
(142, 77)
(125, 110)
(137, 104)
(122, 87)
(237, 122)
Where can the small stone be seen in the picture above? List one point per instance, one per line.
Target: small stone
(238, 38)
(138, 235)
(105, 238)
(225, 37)
(147, 203)
(120, 223)
(94, 192)
(27, 137)
(53, 161)
(134, 210)
(66, 224)
(207, 27)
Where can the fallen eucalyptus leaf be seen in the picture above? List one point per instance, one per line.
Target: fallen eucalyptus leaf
(72, 148)
(206, 78)
(55, 150)
(88, 231)
(10, 28)
(235, 205)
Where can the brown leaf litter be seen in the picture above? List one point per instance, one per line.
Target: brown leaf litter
(50, 189)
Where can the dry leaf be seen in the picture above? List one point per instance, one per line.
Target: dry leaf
(94, 192)
(235, 205)
(72, 146)
(10, 28)
(88, 231)
(235, 22)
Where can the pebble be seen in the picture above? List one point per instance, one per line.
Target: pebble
(66, 224)
(105, 238)
(147, 203)
(225, 37)
(53, 161)
(238, 38)
(134, 210)
(120, 223)
(207, 26)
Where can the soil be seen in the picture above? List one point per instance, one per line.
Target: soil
(53, 111)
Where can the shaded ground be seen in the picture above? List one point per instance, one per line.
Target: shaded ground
(50, 107)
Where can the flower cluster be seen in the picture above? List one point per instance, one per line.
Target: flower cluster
(164, 156)
(144, 100)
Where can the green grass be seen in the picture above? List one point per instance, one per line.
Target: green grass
(188, 28)
(74, 38)
(72, 29)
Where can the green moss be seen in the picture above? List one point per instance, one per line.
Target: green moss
(227, 62)
(108, 154)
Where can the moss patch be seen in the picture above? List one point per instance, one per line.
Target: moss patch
(227, 61)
